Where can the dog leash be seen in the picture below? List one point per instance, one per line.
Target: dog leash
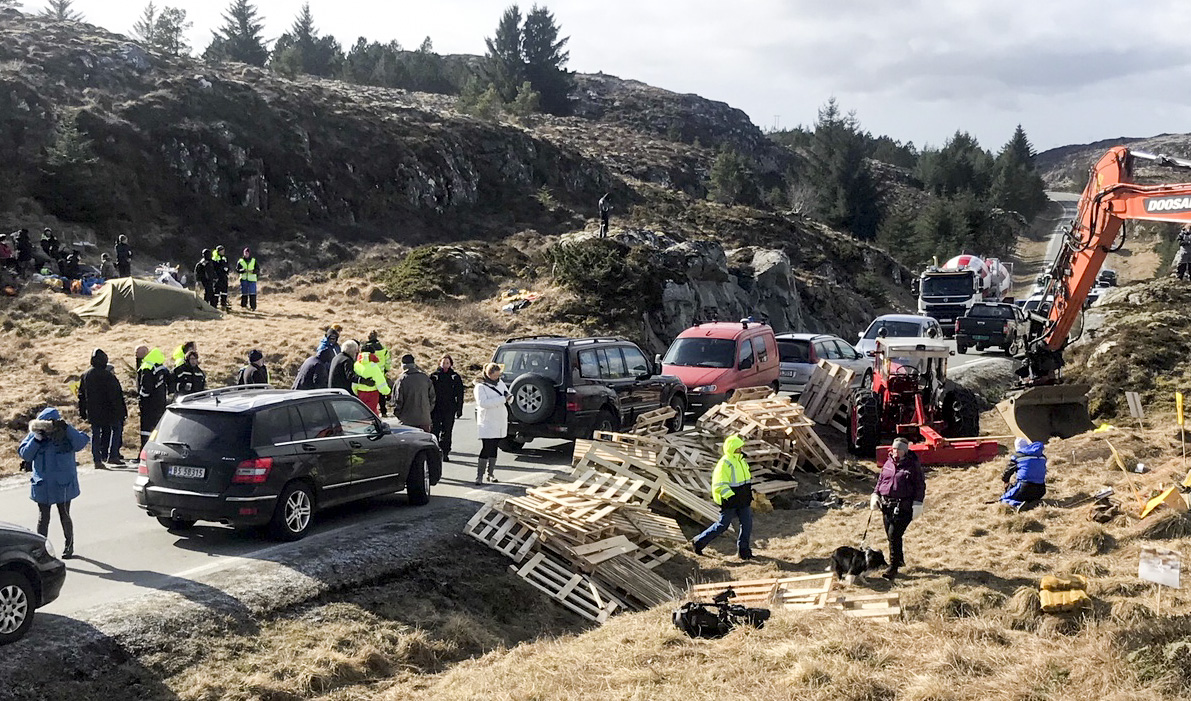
(864, 538)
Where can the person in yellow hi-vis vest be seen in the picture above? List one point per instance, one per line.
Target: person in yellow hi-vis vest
(370, 383)
(731, 488)
(249, 271)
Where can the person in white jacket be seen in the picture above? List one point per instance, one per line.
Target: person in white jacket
(492, 419)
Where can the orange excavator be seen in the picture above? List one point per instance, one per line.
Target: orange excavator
(1046, 407)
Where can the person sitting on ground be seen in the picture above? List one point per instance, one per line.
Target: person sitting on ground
(255, 372)
(189, 377)
(1027, 471)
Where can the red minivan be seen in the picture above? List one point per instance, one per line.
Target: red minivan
(714, 359)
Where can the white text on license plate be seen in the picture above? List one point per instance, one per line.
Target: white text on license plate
(194, 473)
(980, 338)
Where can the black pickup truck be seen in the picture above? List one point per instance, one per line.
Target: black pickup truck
(987, 324)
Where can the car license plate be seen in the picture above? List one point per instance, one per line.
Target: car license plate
(980, 338)
(185, 472)
(787, 373)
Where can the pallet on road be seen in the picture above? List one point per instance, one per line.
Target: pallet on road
(744, 394)
(653, 423)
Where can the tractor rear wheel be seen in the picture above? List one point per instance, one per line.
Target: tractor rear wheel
(961, 413)
(864, 426)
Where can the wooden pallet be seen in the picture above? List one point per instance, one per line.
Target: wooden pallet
(653, 423)
(502, 532)
(829, 387)
(812, 589)
(617, 489)
(801, 589)
(578, 592)
(654, 527)
(884, 608)
(588, 556)
(634, 582)
(744, 394)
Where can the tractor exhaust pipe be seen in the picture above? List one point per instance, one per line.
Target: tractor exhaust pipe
(1039, 413)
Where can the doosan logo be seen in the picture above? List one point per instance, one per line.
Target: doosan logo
(1169, 204)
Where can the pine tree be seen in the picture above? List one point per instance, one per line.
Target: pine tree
(1016, 186)
(848, 195)
(729, 176)
(504, 64)
(62, 10)
(164, 31)
(302, 50)
(960, 166)
(545, 59)
(145, 28)
(240, 38)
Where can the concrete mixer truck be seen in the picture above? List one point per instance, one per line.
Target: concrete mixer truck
(946, 292)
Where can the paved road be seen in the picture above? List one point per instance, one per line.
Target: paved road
(124, 553)
(1069, 202)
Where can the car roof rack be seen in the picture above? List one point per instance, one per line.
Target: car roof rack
(596, 339)
(218, 391)
(570, 341)
(532, 338)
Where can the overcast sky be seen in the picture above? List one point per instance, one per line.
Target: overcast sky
(1069, 71)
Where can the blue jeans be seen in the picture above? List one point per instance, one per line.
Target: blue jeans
(106, 442)
(743, 514)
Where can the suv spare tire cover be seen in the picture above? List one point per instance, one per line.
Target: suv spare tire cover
(533, 398)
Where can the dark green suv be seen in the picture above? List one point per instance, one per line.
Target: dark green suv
(568, 387)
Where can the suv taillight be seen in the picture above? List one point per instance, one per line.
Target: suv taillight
(254, 471)
(572, 400)
(1006, 330)
(957, 325)
(142, 466)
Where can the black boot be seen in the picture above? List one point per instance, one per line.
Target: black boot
(68, 531)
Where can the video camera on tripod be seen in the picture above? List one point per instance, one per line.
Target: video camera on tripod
(717, 619)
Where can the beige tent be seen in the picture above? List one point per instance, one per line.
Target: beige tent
(130, 299)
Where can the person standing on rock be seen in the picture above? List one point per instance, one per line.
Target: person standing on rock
(248, 270)
(492, 420)
(101, 403)
(204, 272)
(900, 493)
(153, 385)
(50, 447)
(413, 402)
(448, 404)
(605, 214)
(255, 372)
(123, 256)
(220, 270)
(342, 374)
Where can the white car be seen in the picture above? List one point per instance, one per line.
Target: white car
(898, 326)
(800, 352)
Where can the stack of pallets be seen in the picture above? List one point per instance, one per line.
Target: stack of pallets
(804, 593)
(778, 421)
(828, 390)
(589, 541)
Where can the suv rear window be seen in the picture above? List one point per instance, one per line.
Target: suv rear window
(793, 351)
(702, 353)
(989, 311)
(541, 361)
(894, 329)
(204, 430)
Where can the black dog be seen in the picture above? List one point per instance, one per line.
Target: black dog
(848, 563)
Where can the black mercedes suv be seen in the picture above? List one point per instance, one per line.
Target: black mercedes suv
(253, 456)
(568, 387)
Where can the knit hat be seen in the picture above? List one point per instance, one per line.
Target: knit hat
(407, 359)
(1021, 444)
(255, 355)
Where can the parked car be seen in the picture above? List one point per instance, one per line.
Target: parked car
(1037, 304)
(715, 359)
(246, 456)
(897, 326)
(1107, 278)
(798, 354)
(31, 576)
(569, 387)
(989, 324)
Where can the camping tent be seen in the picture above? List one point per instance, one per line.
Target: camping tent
(130, 299)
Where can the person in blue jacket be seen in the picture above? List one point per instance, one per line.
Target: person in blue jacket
(1027, 471)
(50, 447)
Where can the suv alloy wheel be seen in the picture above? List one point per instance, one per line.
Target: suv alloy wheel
(16, 606)
(294, 513)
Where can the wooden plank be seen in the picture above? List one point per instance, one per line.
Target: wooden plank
(654, 422)
(574, 591)
(502, 532)
(634, 582)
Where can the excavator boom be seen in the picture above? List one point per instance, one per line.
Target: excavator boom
(1047, 408)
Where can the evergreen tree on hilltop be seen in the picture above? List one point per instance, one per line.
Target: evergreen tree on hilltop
(240, 38)
(164, 30)
(847, 192)
(545, 60)
(505, 62)
(1016, 185)
(960, 166)
(302, 50)
(62, 10)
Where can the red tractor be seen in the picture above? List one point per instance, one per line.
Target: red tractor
(911, 397)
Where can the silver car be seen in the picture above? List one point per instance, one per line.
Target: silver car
(898, 326)
(800, 352)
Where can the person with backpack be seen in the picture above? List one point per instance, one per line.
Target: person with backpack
(50, 447)
(492, 419)
(101, 403)
(255, 372)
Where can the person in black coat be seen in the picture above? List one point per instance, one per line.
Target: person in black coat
(101, 403)
(24, 246)
(189, 377)
(255, 372)
(448, 404)
(153, 385)
(123, 256)
(313, 373)
(342, 373)
(220, 269)
(204, 274)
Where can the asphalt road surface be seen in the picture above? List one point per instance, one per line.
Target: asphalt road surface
(122, 553)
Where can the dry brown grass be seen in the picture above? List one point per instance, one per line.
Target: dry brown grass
(43, 362)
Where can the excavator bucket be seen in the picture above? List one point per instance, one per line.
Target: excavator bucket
(1038, 413)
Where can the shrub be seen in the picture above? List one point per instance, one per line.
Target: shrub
(612, 280)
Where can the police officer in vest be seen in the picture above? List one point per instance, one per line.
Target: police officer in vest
(248, 269)
(219, 273)
(731, 488)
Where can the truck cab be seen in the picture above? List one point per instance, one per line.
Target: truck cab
(946, 295)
